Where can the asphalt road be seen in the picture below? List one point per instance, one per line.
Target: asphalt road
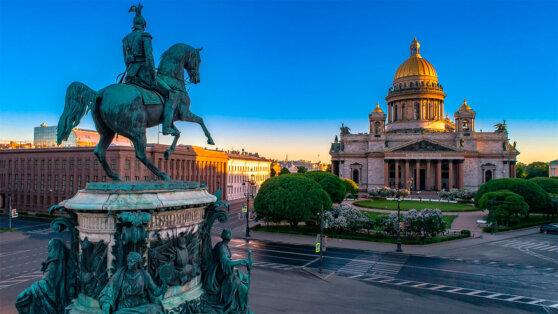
(449, 281)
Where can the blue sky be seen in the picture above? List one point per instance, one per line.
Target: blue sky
(279, 77)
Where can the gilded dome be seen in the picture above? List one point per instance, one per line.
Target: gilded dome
(378, 109)
(464, 106)
(415, 65)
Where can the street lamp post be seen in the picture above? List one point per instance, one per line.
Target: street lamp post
(249, 194)
(398, 219)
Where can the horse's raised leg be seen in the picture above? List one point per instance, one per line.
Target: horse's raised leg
(139, 146)
(169, 151)
(190, 117)
(101, 151)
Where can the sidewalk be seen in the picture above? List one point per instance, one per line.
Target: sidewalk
(442, 249)
(6, 237)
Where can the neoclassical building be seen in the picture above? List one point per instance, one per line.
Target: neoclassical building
(416, 145)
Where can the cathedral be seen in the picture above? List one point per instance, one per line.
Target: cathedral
(416, 146)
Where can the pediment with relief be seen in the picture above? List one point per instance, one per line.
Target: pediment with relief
(424, 146)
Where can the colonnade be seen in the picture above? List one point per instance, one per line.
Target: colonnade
(426, 109)
(424, 174)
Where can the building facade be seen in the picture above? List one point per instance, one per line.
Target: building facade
(45, 136)
(553, 168)
(242, 168)
(418, 147)
(38, 178)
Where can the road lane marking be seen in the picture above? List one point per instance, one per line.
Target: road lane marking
(493, 295)
(514, 298)
(455, 290)
(474, 292)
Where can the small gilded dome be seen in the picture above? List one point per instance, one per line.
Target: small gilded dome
(378, 109)
(415, 65)
(464, 106)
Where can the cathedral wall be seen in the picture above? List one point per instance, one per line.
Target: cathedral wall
(377, 145)
(375, 173)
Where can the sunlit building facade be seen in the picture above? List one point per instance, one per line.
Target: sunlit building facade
(45, 136)
(416, 145)
(242, 168)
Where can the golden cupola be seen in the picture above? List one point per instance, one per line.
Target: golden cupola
(416, 65)
(415, 100)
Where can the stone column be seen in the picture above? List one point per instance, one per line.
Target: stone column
(417, 177)
(461, 174)
(427, 187)
(406, 177)
(396, 173)
(386, 173)
(389, 113)
(450, 175)
(438, 175)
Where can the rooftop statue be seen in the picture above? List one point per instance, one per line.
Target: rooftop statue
(146, 99)
(501, 127)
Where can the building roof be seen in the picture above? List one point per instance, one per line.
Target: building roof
(554, 162)
(464, 106)
(416, 65)
(377, 109)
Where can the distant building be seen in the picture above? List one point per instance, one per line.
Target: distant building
(242, 167)
(45, 136)
(553, 168)
(38, 178)
(416, 145)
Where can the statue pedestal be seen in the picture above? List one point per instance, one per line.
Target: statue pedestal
(148, 217)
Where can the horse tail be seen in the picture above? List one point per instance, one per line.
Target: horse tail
(79, 100)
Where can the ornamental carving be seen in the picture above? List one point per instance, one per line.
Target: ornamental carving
(424, 146)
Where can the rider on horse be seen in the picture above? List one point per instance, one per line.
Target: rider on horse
(140, 68)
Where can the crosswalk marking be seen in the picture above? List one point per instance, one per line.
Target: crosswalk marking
(527, 245)
(19, 279)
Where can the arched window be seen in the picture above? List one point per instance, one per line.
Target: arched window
(377, 127)
(465, 125)
(356, 176)
(403, 112)
(416, 114)
(396, 116)
(411, 84)
(487, 176)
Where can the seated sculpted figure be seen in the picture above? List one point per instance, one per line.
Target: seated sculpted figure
(226, 285)
(52, 293)
(132, 290)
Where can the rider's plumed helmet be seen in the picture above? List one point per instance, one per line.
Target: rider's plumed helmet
(139, 21)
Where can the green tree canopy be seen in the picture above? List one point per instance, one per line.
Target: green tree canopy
(521, 170)
(302, 169)
(272, 172)
(537, 169)
(550, 185)
(537, 198)
(350, 186)
(292, 198)
(504, 204)
(328, 168)
(332, 184)
(284, 171)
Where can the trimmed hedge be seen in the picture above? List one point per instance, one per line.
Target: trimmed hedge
(350, 186)
(330, 183)
(290, 197)
(502, 213)
(537, 198)
(548, 184)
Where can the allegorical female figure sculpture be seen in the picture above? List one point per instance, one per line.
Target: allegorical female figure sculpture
(225, 283)
(55, 291)
(132, 290)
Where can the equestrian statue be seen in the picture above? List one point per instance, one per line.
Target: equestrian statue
(148, 97)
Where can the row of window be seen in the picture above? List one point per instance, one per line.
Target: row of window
(432, 108)
(58, 164)
(32, 182)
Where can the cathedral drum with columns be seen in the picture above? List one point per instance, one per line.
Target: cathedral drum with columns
(415, 146)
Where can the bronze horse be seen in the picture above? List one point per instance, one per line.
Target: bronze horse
(119, 108)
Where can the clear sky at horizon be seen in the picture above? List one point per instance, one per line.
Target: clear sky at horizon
(279, 77)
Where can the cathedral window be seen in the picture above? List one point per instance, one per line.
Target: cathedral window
(377, 127)
(395, 116)
(416, 115)
(403, 112)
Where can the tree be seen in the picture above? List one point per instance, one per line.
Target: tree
(537, 198)
(328, 168)
(292, 198)
(284, 171)
(537, 169)
(333, 185)
(521, 170)
(350, 186)
(550, 185)
(504, 204)
(272, 172)
(302, 169)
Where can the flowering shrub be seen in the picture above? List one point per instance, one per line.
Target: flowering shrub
(454, 194)
(421, 224)
(347, 218)
(387, 192)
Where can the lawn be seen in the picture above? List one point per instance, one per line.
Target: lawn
(406, 205)
(373, 237)
(448, 219)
